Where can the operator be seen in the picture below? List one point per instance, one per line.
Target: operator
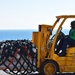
(67, 40)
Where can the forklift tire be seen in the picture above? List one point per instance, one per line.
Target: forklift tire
(49, 67)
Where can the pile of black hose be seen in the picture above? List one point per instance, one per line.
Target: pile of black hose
(18, 57)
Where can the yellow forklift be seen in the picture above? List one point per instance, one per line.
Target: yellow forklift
(48, 63)
(22, 57)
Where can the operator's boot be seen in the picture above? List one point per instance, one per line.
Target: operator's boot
(56, 51)
(62, 53)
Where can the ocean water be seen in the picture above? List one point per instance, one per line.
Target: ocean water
(15, 34)
(19, 34)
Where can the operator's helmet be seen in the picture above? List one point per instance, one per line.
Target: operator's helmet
(73, 24)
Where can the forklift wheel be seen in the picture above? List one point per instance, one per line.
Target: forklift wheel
(49, 67)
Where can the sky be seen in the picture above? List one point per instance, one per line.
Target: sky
(28, 14)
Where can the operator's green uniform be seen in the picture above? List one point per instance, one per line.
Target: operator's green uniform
(72, 34)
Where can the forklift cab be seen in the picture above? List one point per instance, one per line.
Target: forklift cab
(62, 34)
